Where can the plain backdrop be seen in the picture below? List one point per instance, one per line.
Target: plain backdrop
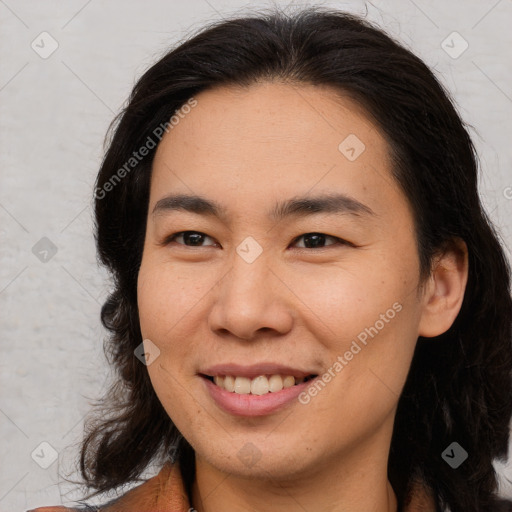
(66, 70)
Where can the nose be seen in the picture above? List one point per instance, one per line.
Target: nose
(251, 300)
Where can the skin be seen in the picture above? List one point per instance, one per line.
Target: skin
(296, 304)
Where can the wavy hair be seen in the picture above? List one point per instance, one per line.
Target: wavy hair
(459, 387)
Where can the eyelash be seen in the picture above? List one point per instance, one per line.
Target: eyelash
(338, 241)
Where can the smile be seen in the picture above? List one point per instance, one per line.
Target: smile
(254, 395)
(261, 385)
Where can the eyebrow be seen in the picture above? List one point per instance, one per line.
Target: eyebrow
(301, 206)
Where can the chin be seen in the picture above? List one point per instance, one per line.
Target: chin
(249, 461)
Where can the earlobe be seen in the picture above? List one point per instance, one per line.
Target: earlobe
(444, 292)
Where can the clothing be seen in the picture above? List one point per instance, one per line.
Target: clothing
(165, 492)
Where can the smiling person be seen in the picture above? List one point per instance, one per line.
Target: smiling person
(311, 308)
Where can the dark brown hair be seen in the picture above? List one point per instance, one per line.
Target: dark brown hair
(459, 387)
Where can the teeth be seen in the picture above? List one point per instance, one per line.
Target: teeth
(261, 385)
(275, 383)
(229, 383)
(242, 385)
(288, 381)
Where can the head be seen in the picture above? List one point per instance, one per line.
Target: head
(315, 198)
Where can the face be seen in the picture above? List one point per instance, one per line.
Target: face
(262, 292)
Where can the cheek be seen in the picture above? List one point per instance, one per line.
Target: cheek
(177, 396)
(164, 299)
(367, 314)
(166, 296)
(342, 300)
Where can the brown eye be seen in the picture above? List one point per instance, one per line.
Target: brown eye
(314, 240)
(190, 238)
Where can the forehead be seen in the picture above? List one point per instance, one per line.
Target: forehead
(275, 114)
(273, 139)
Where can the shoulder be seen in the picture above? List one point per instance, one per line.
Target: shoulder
(164, 492)
(60, 508)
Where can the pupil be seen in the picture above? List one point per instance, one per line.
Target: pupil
(317, 239)
(196, 237)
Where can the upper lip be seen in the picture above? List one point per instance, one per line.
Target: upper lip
(254, 370)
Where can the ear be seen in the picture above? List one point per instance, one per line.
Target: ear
(444, 290)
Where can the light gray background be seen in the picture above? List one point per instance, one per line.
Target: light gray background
(54, 114)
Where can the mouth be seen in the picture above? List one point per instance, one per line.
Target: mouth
(258, 389)
(260, 385)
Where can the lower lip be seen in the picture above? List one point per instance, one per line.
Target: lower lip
(254, 405)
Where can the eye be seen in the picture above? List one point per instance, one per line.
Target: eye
(318, 240)
(311, 240)
(190, 238)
